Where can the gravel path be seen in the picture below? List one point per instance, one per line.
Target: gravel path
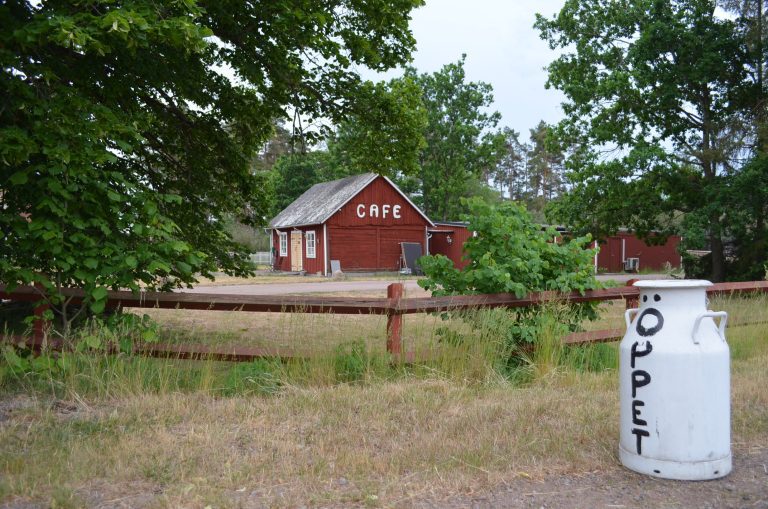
(745, 487)
(293, 285)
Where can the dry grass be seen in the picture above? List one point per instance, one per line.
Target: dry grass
(299, 331)
(400, 440)
(323, 332)
(302, 332)
(125, 440)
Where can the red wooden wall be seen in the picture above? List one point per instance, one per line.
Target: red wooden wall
(373, 242)
(379, 192)
(371, 248)
(651, 257)
(438, 243)
(311, 265)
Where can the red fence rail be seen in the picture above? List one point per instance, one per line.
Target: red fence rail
(393, 306)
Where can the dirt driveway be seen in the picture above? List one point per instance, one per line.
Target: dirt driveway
(291, 287)
(294, 285)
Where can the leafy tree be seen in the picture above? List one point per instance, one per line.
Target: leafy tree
(746, 201)
(510, 253)
(751, 28)
(530, 173)
(123, 143)
(281, 143)
(652, 92)
(384, 133)
(460, 144)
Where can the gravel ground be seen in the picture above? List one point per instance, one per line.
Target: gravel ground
(294, 285)
(745, 487)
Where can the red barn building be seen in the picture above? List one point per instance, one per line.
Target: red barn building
(625, 251)
(360, 221)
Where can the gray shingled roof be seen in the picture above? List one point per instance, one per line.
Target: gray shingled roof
(321, 201)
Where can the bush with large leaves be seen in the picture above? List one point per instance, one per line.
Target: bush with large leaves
(509, 253)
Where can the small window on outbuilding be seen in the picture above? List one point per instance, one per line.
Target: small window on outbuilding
(283, 243)
(310, 235)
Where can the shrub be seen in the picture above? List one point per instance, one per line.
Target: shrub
(509, 253)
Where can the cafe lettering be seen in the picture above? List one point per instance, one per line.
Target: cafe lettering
(373, 209)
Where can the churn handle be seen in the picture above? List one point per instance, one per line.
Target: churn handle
(628, 312)
(711, 314)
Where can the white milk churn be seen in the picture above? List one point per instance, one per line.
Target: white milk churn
(674, 369)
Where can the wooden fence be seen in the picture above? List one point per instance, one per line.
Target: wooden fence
(394, 306)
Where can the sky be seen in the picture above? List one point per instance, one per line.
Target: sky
(502, 49)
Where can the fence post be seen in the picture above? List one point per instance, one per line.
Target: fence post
(632, 302)
(394, 319)
(40, 325)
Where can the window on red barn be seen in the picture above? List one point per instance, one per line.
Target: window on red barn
(310, 244)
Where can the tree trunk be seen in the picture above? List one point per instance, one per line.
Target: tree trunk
(710, 180)
(718, 256)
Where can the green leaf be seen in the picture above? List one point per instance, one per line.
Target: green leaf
(126, 345)
(19, 178)
(99, 293)
(98, 306)
(92, 341)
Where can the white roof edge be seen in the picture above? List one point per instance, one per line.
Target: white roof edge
(408, 200)
(294, 226)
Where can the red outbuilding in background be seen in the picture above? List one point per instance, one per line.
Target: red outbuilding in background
(626, 252)
(448, 238)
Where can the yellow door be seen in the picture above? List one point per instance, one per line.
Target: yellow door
(297, 263)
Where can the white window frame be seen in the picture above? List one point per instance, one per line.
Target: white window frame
(311, 241)
(283, 243)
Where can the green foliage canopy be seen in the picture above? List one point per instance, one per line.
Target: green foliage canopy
(653, 90)
(509, 253)
(123, 142)
(293, 174)
(384, 133)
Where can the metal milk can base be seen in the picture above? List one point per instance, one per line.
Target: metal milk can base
(678, 470)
